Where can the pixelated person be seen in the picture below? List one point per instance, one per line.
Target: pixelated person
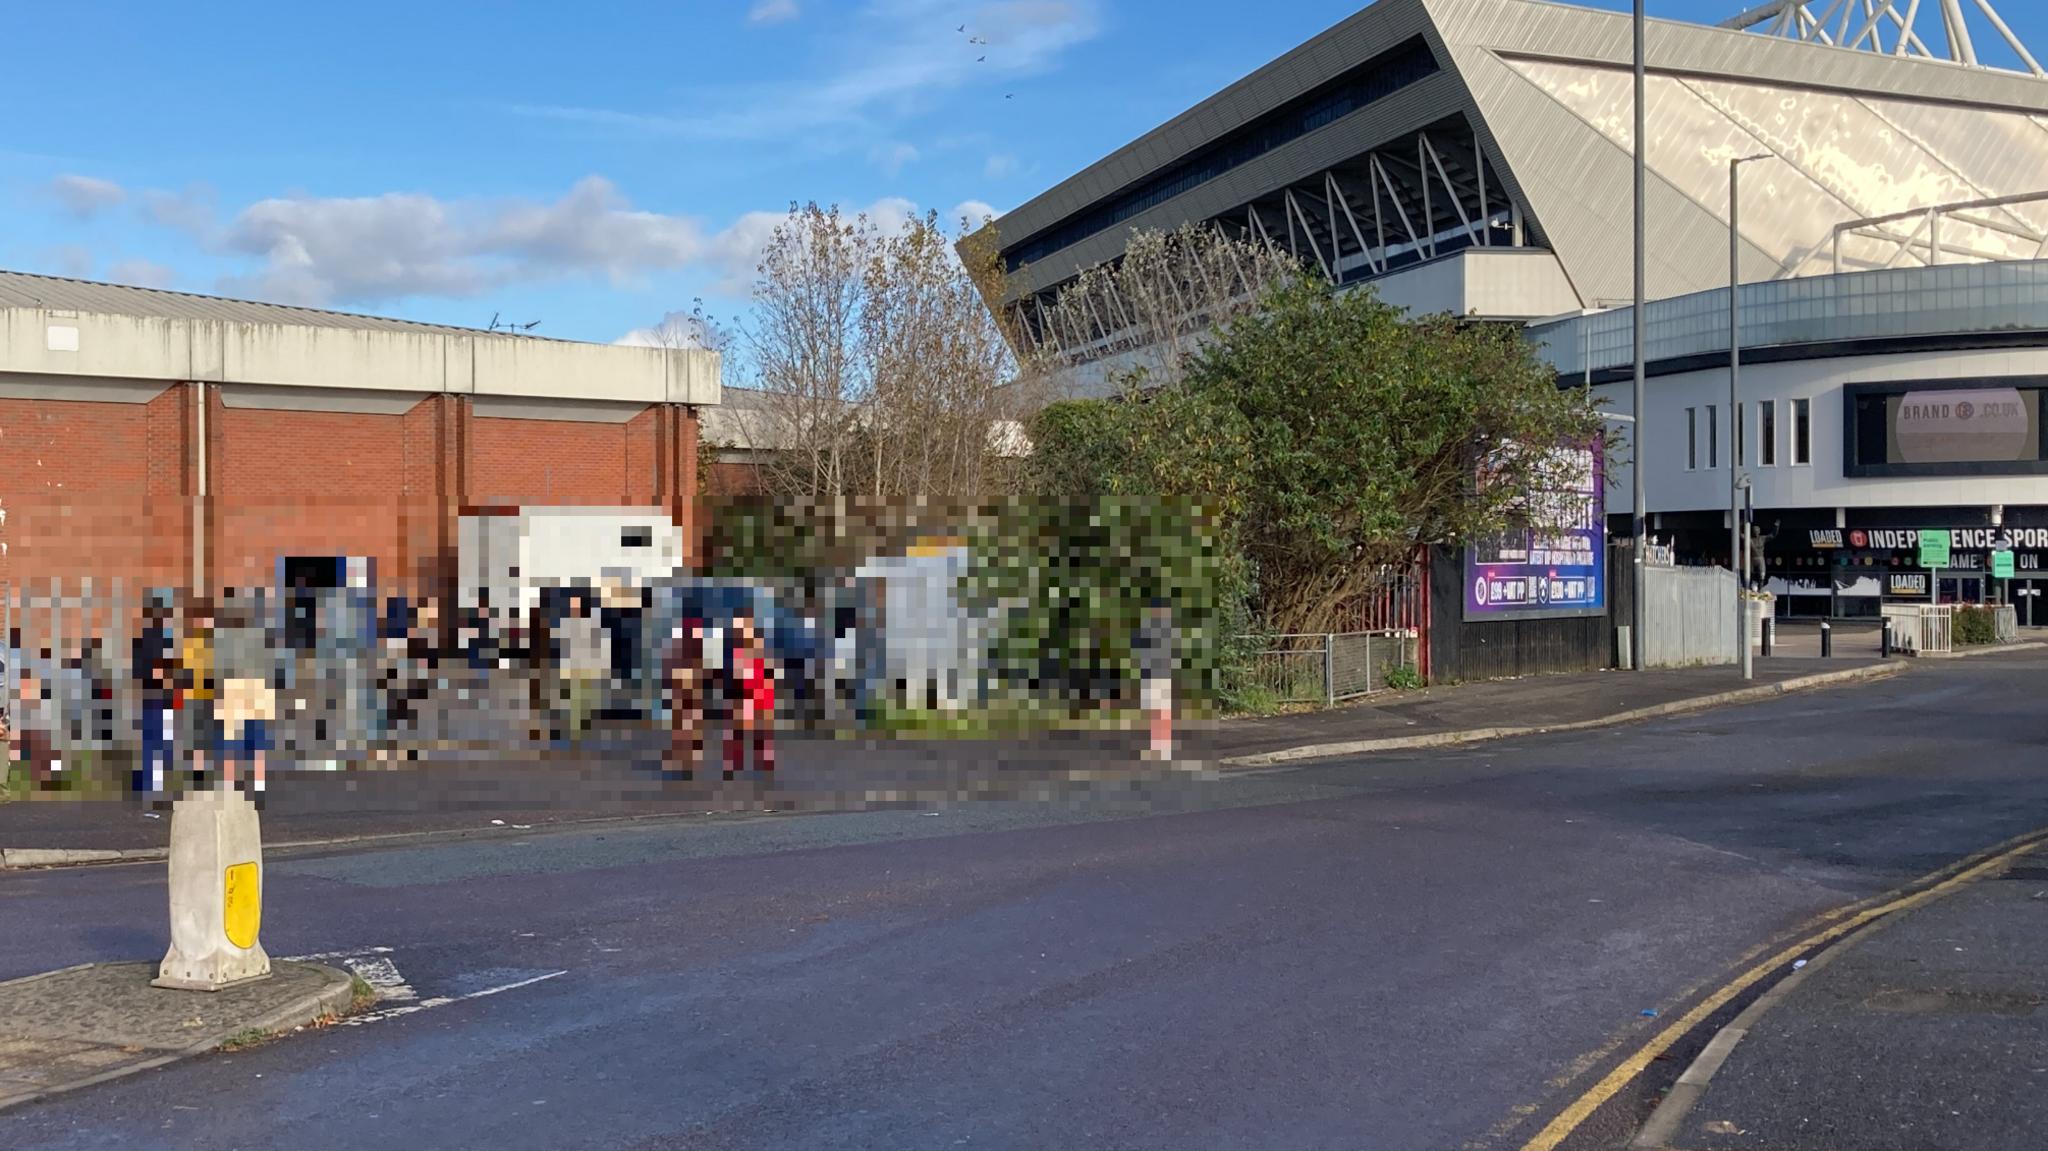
(583, 661)
(621, 614)
(155, 674)
(196, 686)
(751, 687)
(31, 744)
(247, 708)
(1154, 645)
(685, 677)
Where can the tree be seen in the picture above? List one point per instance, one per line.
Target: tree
(1369, 435)
(806, 346)
(937, 363)
(883, 372)
(1333, 437)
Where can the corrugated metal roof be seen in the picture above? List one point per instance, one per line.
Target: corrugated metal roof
(25, 290)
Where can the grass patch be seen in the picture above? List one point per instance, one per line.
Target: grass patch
(362, 994)
(14, 782)
(245, 1039)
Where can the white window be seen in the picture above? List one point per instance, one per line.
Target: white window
(1767, 433)
(1802, 432)
(1692, 439)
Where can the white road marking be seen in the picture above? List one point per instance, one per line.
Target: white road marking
(371, 964)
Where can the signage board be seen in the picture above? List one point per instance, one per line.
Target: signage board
(1933, 548)
(1557, 569)
(1959, 539)
(1907, 583)
(1824, 537)
(2001, 564)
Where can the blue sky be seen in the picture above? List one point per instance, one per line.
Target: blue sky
(591, 166)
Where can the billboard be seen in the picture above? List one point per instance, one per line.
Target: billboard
(1970, 427)
(1557, 566)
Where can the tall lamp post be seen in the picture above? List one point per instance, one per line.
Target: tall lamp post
(1639, 516)
(1736, 445)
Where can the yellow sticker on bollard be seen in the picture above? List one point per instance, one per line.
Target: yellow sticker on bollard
(242, 905)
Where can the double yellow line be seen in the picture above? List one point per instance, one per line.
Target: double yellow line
(1925, 890)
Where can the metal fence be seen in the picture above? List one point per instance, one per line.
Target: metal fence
(2005, 623)
(1333, 666)
(1688, 616)
(1922, 629)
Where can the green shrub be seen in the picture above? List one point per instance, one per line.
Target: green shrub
(1973, 625)
(1406, 677)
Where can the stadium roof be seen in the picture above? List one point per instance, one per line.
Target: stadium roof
(1417, 129)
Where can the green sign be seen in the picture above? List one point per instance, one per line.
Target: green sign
(1934, 548)
(2001, 565)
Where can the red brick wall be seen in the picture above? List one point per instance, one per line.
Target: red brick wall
(106, 490)
(92, 490)
(304, 483)
(555, 462)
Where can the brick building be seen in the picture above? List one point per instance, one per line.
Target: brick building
(161, 439)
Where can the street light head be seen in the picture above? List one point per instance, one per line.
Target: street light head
(1758, 156)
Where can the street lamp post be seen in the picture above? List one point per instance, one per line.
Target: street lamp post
(1735, 428)
(1639, 516)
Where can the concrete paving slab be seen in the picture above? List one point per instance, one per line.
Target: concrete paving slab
(82, 1025)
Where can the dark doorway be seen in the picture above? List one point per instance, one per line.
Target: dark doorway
(304, 579)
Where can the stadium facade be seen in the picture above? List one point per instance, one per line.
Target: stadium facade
(1475, 157)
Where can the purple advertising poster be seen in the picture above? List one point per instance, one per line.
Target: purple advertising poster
(1557, 568)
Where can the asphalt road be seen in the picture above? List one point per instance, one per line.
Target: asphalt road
(1427, 951)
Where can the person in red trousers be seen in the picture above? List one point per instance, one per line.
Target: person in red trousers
(753, 713)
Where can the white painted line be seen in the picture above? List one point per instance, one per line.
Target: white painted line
(511, 986)
(372, 964)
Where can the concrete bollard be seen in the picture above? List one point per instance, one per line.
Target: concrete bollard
(216, 874)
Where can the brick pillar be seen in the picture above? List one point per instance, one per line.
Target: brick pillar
(168, 486)
(686, 510)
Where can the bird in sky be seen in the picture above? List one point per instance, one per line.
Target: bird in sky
(981, 59)
(1009, 95)
(963, 28)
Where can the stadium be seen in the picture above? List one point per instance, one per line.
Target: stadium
(1476, 157)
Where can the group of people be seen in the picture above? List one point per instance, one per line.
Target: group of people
(209, 714)
(720, 675)
(221, 724)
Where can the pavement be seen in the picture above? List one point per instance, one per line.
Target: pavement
(329, 809)
(1926, 1031)
(1446, 947)
(83, 1025)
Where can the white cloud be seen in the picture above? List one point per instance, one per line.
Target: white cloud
(363, 250)
(974, 212)
(891, 157)
(896, 56)
(142, 274)
(999, 166)
(736, 251)
(772, 12)
(368, 249)
(189, 211)
(676, 330)
(86, 196)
